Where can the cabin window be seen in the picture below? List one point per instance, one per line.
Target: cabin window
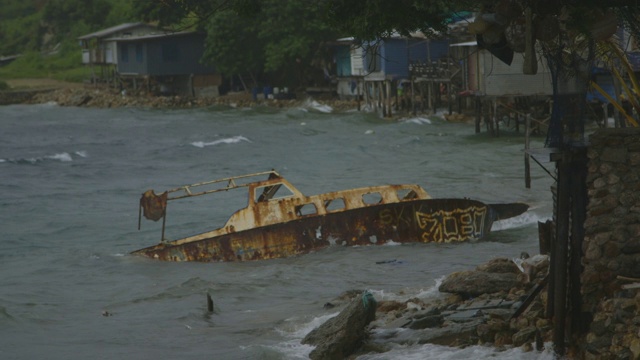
(334, 204)
(170, 52)
(124, 53)
(306, 209)
(407, 194)
(277, 191)
(139, 53)
(372, 198)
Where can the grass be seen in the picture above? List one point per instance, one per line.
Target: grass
(66, 65)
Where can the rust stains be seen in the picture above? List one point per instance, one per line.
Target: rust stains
(279, 221)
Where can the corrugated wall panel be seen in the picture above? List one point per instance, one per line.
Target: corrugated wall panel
(501, 79)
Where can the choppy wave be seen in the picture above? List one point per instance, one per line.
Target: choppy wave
(60, 157)
(231, 140)
(295, 330)
(417, 120)
(430, 351)
(316, 106)
(525, 219)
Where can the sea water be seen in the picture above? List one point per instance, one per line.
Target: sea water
(71, 179)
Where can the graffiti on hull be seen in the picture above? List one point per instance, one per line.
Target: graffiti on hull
(452, 225)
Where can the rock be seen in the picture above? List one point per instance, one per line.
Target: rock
(526, 335)
(475, 283)
(499, 265)
(429, 321)
(453, 335)
(341, 335)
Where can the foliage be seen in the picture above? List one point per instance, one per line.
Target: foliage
(617, 61)
(233, 44)
(252, 36)
(33, 25)
(3, 85)
(20, 32)
(374, 19)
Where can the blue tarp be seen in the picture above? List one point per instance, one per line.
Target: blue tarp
(605, 81)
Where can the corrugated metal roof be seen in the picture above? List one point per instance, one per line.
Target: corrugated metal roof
(153, 36)
(468, 43)
(112, 30)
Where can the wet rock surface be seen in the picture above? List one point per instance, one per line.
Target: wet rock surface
(341, 335)
(457, 318)
(101, 97)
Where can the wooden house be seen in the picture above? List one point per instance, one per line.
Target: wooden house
(167, 63)
(391, 64)
(100, 50)
(496, 90)
(349, 68)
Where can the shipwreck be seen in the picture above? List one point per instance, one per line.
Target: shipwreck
(279, 221)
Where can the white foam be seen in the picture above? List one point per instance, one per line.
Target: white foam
(231, 140)
(391, 243)
(314, 105)
(525, 219)
(423, 294)
(61, 157)
(418, 120)
(81, 153)
(438, 352)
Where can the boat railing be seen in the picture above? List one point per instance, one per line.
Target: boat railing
(230, 185)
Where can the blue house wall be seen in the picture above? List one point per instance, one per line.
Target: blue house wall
(395, 54)
(162, 55)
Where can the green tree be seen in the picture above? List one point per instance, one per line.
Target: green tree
(283, 38)
(62, 15)
(233, 46)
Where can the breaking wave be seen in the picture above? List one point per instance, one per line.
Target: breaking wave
(525, 219)
(417, 120)
(231, 140)
(316, 106)
(60, 157)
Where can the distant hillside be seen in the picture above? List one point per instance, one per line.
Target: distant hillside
(42, 25)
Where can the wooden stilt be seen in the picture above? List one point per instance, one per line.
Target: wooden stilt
(429, 95)
(388, 95)
(527, 160)
(358, 93)
(495, 117)
(478, 114)
(367, 97)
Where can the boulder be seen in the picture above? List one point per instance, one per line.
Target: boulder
(343, 334)
(474, 283)
(499, 265)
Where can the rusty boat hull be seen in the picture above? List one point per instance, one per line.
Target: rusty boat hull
(408, 221)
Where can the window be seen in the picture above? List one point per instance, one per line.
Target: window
(277, 191)
(124, 53)
(372, 198)
(139, 53)
(306, 209)
(334, 205)
(170, 52)
(406, 194)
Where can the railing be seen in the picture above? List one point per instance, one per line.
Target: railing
(231, 184)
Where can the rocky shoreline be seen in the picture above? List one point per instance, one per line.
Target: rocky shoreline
(501, 304)
(498, 304)
(100, 97)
